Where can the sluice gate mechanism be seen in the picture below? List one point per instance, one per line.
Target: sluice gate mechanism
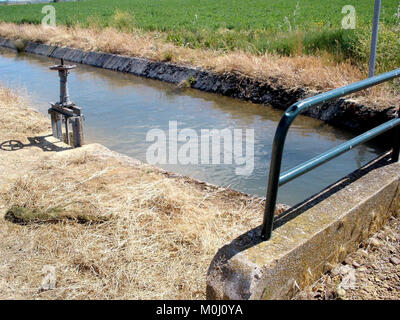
(65, 114)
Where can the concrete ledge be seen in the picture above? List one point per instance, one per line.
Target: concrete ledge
(7, 43)
(306, 245)
(344, 113)
(74, 55)
(38, 48)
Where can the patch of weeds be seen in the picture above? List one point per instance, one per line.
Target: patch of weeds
(86, 266)
(167, 56)
(26, 216)
(20, 45)
(122, 20)
(192, 80)
(187, 83)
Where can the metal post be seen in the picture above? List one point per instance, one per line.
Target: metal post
(279, 140)
(68, 140)
(59, 127)
(396, 144)
(274, 173)
(64, 97)
(374, 41)
(63, 74)
(77, 129)
(53, 117)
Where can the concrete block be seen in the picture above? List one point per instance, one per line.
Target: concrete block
(307, 240)
(41, 49)
(117, 63)
(102, 59)
(9, 44)
(93, 59)
(74, 55)
(59, 52)
(31, 47)
(45, 50)
(139, 66)
(124, 64)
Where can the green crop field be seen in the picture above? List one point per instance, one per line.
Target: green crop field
(167, 15)
(287, 27)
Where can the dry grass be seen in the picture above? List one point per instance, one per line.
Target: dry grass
(157, 234)
(158, 243)
(16, 119)
(310, 72)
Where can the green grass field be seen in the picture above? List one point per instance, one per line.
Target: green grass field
(191, 15)
(287, 27)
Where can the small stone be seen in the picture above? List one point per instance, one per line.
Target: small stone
(356, 264)
(341, 293)
(349, 280)
(374, 266)
(380, 235)
(341, 270)
(394, 260)
(363, 252)
(331, 295)
(391, 248)
(375, 243)
(335, 272)
(348, 260)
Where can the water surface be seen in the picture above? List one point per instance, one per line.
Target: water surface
(120, 109)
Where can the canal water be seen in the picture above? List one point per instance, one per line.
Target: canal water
(120, 109)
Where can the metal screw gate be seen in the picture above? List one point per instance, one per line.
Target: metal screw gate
(66, 112)
(276, 180)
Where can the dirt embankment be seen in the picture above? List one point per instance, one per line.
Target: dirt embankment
(112, 227)
(269, 79)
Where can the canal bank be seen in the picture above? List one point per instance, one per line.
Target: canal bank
(357, 113)
(110, 227)
(136, 105)
(119, 229)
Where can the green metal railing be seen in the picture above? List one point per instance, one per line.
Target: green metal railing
(276, 180)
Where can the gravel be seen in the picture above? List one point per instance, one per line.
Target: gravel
(370, 273)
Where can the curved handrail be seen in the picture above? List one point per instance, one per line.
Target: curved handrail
(283, 128)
